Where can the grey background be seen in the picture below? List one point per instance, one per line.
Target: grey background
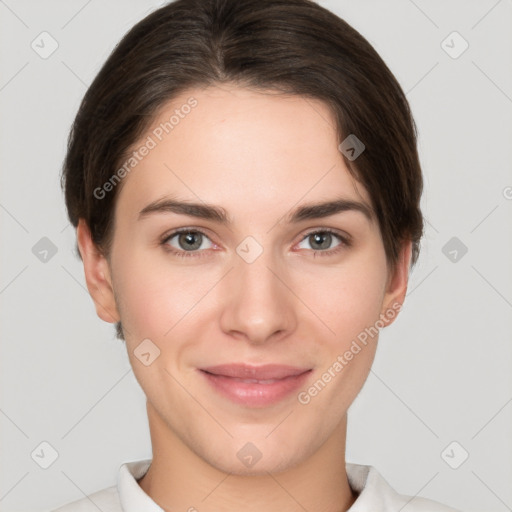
(442, 372)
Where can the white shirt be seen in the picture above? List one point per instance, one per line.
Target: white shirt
(374, 494)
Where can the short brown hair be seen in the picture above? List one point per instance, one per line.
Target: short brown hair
(290, 46)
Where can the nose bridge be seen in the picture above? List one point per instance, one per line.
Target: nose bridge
(259, 305)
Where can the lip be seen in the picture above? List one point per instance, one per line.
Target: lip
(255, 386)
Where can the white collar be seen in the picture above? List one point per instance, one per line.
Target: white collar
(373, 490)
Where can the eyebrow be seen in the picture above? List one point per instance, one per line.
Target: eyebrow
(218, 214)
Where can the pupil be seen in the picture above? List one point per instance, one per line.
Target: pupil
(188, 241)
(326, 237)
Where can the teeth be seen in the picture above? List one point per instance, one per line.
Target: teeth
(254, 381)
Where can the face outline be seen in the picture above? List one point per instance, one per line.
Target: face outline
(258, 156)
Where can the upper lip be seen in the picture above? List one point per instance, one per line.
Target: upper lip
(264, 372)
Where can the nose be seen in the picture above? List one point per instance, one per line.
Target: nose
(260, 305)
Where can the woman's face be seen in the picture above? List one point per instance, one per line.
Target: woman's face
(264, 286)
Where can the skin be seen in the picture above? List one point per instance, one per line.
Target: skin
(258, 156)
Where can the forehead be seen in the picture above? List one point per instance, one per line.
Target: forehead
(238, 147)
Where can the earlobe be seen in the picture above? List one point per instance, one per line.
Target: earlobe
(97, 275)
(396, 287)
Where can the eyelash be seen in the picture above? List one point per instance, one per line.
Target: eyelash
(345, 243)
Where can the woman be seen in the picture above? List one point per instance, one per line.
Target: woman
(245, 184)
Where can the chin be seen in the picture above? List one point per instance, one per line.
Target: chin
(260, 468)
(258, 458)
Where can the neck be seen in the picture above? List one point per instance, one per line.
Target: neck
(178, 479)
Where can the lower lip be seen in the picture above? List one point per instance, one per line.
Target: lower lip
(255, 394)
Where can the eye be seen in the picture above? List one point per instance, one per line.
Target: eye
(186, 241)
(321, 241)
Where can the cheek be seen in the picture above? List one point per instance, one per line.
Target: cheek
(348, 299)
(145, 300)
(155, 296)
(350, 306)
(154, 304)
(354, 309)
(140, 297)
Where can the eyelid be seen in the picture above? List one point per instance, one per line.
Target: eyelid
(178, 231)
(164, 239)
(344, 238)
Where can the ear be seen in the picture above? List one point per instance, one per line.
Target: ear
(396, 286)
(97, 275)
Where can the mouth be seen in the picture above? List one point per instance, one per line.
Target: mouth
(255, 386)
